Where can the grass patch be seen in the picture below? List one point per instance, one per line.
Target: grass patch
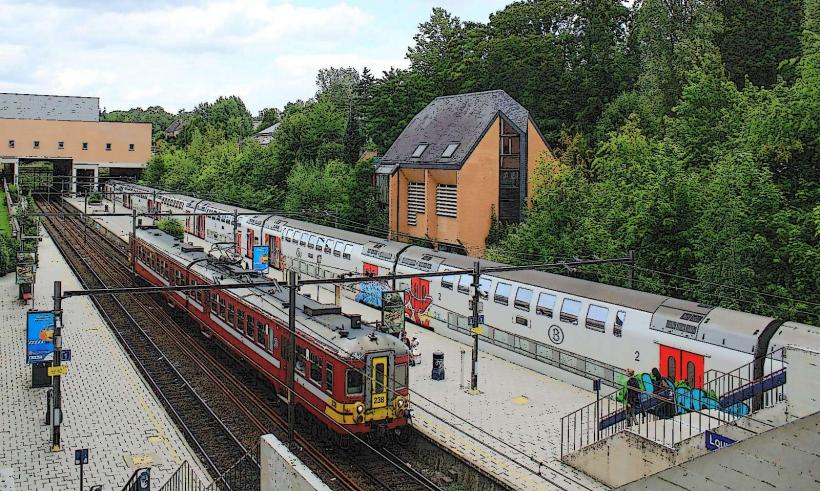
(5, 226)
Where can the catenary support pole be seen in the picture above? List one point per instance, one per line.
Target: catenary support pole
(475, 324)
(291, 356)
(133, 245)
(57, 418)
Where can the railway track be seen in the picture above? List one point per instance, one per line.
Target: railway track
(231, 408)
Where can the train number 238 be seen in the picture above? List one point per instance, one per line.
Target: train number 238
(379, 399)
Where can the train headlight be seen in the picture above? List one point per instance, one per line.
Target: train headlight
(400, 402)
(360, 408)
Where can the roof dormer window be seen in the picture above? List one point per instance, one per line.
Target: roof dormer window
(420, 150)
(449, 151)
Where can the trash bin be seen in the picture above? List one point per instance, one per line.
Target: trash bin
(438, 365)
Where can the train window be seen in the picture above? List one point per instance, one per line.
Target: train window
(300, 359)
(447, 281)
(521, 320)
(312, 242)
(240, 320)
(286, 235)
(378, 377)
(230, 314)
(315, 369)
(214, 298)
(355, 382)
(502, 293)
(620, 317)
(329, 246)
(221, 313)
(570, 310)
(400, 376)
(337, 251)
(596, 318)
(270, 341)
(260, 333)
(249, 326)
(283, 349)
(690, 373)
(546, 304)
(671, 367)
(348, 251)
(303, 238)
(464, 282)
(320, 244)
(523, 297)
(484, 285)
(329, 377)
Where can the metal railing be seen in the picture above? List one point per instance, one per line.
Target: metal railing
(244, 475)
(140, 479)
(673, 414)
(184, 479)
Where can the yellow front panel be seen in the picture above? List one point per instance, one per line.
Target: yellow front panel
(378, 386)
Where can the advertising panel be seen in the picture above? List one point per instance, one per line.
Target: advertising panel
(393, 312)
(39, 336)
(261, 253)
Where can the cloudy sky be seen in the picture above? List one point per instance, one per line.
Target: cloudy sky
(177, 54)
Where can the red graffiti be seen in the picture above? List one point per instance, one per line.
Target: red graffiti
(417, 300)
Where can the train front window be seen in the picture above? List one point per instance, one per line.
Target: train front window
(355, 382)
(378, 378)
(401, 376)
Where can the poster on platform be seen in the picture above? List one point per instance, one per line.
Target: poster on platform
(393, 312)
(261, 253)
(39, 336)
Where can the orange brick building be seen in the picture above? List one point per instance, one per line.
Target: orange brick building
(461, 159)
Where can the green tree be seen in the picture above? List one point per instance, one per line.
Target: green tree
(172, 227)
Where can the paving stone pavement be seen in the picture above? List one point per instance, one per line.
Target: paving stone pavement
(515, 439)
(107, 407)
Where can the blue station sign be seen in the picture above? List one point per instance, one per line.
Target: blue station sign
(39, 336)
(715, 441)
(261, 254)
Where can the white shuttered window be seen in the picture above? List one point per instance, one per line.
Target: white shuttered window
(446, 200)
(415, 201)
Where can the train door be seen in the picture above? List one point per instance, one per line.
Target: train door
(276, 259)
(188, 224)
(238, 242)
(378, 377)
(200, 221)
(150, 206)
(249, 252)
(683, 365)
(417, 301)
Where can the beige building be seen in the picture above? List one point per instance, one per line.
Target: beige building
(67, 132)
(461, 159)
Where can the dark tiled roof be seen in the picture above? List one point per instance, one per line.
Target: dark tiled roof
(461, 119)
(176, 125)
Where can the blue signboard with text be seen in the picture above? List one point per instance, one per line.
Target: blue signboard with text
(715, 441)
(39, 336)
(261, 253)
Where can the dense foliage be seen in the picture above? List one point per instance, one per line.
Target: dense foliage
(686, 131)
(156, 115)
(172, 227)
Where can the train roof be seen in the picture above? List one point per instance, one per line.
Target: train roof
(324, 323)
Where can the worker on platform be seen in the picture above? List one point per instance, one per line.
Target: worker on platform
(633, 397)
(662, 395)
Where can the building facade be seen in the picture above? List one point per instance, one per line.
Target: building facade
(462, 160)
(67, 132)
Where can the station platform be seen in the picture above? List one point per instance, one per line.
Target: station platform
(107, 407)
(510, 429)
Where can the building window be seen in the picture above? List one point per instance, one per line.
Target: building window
(449, 151)
(85, 145)
(11, 143)
(415, 201)
(420, 150)
(60, 145)
(107, 147)
(36, 143)
(446, 200)
(130, 147)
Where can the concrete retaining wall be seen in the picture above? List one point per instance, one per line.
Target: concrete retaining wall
(281, 470)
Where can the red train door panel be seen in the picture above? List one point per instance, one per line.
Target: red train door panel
(249, 252)
(201, 226)
(188, 224)
(238, 241)
(669, 364)
(417, 301)
(371, 269)
(692, 368)
(681, 365)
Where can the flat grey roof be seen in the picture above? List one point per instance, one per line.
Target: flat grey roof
(53, 107)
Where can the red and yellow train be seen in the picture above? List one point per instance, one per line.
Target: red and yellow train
(349, 375)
